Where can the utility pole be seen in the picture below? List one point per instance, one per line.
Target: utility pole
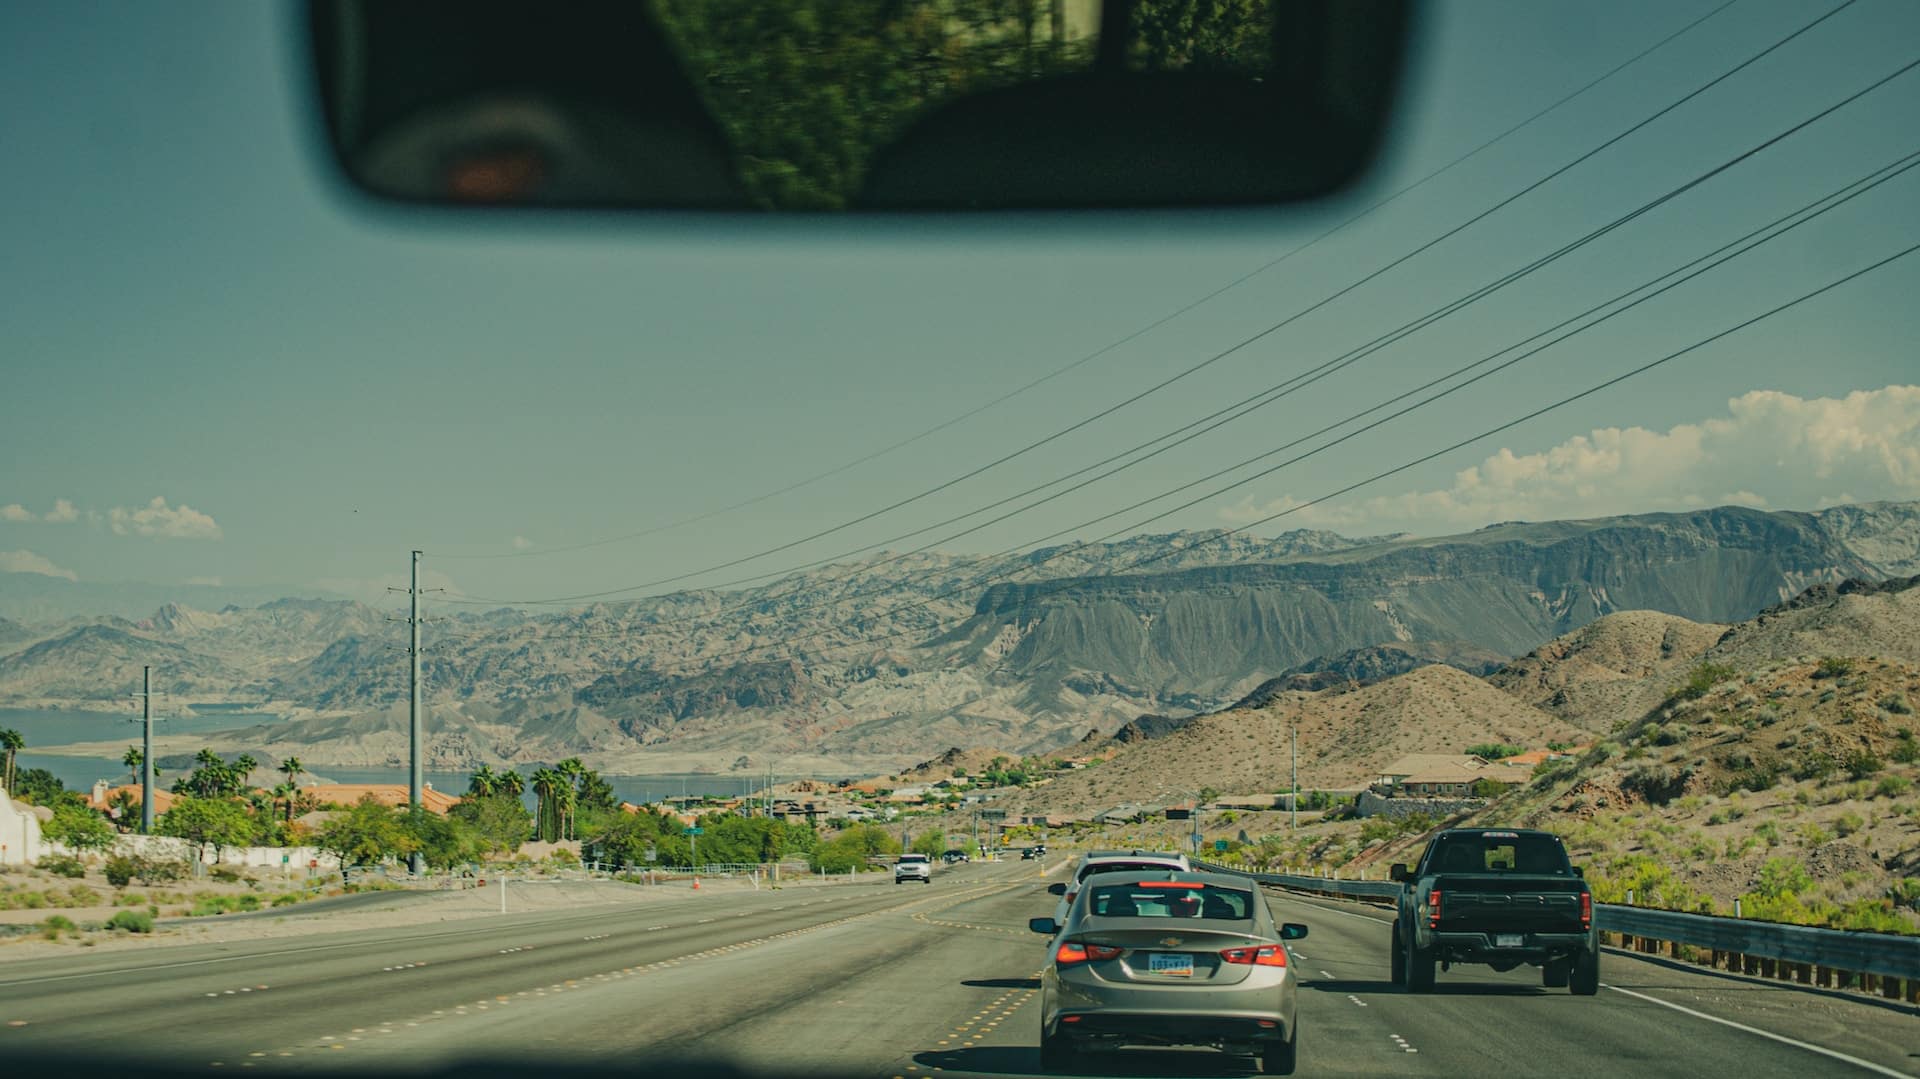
(414, 776)
(146, 751)
(1293, 798)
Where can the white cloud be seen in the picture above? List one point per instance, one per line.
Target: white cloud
(156, 518)
(521, 543)
(1771, 450)
(28, 562)
(211, 582)
(62, 513)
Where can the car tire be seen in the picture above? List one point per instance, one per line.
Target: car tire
(1282, 1057)
(1555, 973)
(1584, 979)
(1397, 963)
(1057, 1053)
(1420, 964)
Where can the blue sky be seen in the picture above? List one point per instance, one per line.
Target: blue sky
(194, 314)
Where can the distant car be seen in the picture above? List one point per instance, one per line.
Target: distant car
(952, 856)
(1028, 854)
(913, 867)
(1112, 861)
(1169, 958)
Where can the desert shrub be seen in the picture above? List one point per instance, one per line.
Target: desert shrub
(132, 921)
(225, 874)
(1816, 765)
(56, 924)
(287, 899)
(1833, 667)
(79, 895)
(120, 870)
(1700, 681)
(62, 865)
(1905, 892)
(1906, 750)
(207, 903)
(1897, 704)
(1495, 750)
(1848, 823)
(1862, 763)
(1757, 777)
(1892, 786)
(1812, 835)
(1768, 833)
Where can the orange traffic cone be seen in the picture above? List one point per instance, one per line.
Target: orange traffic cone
(696, 884)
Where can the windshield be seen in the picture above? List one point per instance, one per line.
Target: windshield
(1499, 853)
(1162, 899)
(519, 554)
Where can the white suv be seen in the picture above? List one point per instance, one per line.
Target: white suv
(1111, 861)
(913, 867)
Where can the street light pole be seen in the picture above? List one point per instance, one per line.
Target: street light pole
(1293, 750)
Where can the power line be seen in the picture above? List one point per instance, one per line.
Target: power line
(1764, 234)
(1223, 354)
(1213, 421)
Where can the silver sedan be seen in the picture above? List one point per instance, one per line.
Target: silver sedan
(1169, 958)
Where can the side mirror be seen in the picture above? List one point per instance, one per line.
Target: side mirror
(1580, 871)
(1043, 925)
(1056, 889)
(1293, 931)
(1399, 871)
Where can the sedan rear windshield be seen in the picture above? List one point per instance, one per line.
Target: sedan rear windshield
(1127, 867)
(1170, 899)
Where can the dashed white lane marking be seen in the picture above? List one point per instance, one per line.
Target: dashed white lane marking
(1326, 974)
(1402, 1043)
(703, 921)
(1356, 1000)
(410, 966)
(221, 993)
(652, 928)
(1831, 1054)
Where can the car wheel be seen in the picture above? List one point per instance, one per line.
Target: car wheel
(1397, 961)
(1585, 977)
(1282, 1057)
(1420, 964)
(1056, 1053)
(1554, 974)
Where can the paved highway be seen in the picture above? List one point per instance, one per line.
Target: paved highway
(864, 979)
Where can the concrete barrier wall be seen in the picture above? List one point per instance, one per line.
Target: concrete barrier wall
(1372, 805)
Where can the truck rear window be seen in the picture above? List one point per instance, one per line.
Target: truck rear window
(1538, 855)
(1158, 899)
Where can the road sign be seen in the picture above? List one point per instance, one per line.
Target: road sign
(653, 854)
(1220, 844)
(696, 831)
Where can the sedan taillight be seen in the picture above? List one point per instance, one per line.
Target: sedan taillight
(1264, 955)
(1073, 951)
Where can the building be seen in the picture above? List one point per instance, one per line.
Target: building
(1423, 764)
(389, 794)
(102, 797)
(20, 823)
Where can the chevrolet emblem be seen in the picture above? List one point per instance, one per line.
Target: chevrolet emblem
(1169, 942)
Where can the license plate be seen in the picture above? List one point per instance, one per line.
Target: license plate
(1173, 966)
(1508, 940)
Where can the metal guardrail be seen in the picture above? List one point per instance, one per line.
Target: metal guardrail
(1884, 954)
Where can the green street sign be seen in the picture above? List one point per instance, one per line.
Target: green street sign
(1219, 844)
(695, 831)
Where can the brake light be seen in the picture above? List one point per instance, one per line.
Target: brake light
(1170, 884)
(1265, 955)
(1071, 952)
(1586, 910)
(1433, 909)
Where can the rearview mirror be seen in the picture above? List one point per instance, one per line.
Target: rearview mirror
(1293, 931)
(1043, 925)
(1056, 889)
(1399, 871)
(610, 103)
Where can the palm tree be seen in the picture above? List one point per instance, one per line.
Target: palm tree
(571, 770)
(292, 769)
(243, 765)
(546, 785)
(285, 792)
(133, 759)
(484, 782)
(12, 743)
(510, 782)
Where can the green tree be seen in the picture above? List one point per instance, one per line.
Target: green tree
(11, 743)
(218, 823)
(931, 844)
(483, 783)
(39, 787)
(852, 848)
(443, 842)
(79, 828)
(500, 821)
(367, 834)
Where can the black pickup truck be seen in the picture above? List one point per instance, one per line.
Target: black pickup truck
(1498, 898)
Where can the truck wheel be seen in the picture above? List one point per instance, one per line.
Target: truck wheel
(1555, 973)
(1585, 977)
(1056, 1053)
(1397, 962)
(1420, 964)
(1282, 1057)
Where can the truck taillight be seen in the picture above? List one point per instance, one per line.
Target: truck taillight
(1433, 909)
(1586, 910)
(1266, 955)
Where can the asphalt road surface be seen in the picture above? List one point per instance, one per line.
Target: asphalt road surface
(867, 979)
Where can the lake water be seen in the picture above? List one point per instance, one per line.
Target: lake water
(46, 728)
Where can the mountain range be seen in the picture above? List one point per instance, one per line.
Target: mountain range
(879, 663)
